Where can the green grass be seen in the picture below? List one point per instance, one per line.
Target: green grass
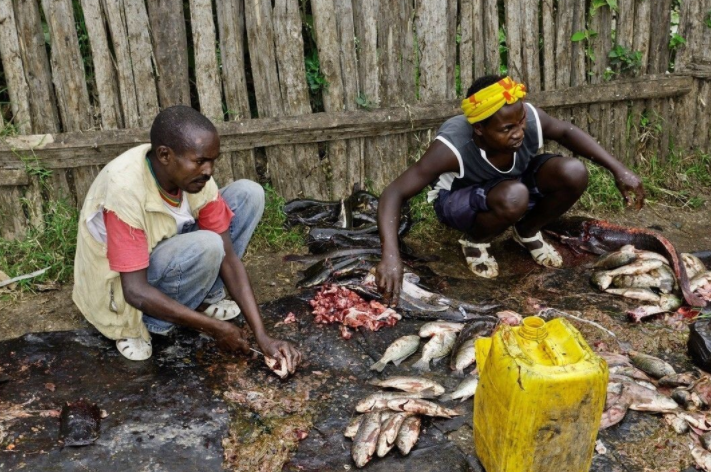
(53, 248)
(270, 235)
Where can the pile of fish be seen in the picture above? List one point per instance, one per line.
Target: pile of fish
(646, 276)
(391, 419)
(336, 304)
(642, 382)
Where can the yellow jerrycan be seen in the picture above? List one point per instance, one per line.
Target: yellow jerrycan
(540, 397)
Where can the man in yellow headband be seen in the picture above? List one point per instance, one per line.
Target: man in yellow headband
(486, 176)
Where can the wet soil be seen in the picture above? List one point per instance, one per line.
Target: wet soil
(254, 421)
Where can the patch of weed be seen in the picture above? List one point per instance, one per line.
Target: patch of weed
(271, 233)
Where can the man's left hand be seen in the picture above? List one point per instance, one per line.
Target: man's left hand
(630, 186)
(283, 351)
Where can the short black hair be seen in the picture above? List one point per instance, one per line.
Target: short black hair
(173, 127)
(483, 82)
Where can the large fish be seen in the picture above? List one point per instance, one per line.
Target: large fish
(436, 348)
(365, 441)
(421, 407)
(598, 237)
(641, 398)
(388, 432)
(379, 400)
(408, 435)
(398, 351)
(411, 385)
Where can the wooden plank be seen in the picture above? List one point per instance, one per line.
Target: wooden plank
(104, 71)
(478, 42)
(207, 77)
(530, 38)
(83, 178)
(513, 29)
(701, 132)
(368, 57)
(349, 68)
(466, 44)
(13, 178)
(43, 107)
(230, 18)
(451, 44)
(13, 69)
(491, 36)
(578, 63)
(660, 17)
(407, 21)
(690, 29)
(139, 40)
(431, 24)
(549, 44)
(98, 147)
(624, 33)
(624, 26)
(170, 50)
(564, 27)
(640, 42)
(13, 224)
(67, 66)
(308, 168)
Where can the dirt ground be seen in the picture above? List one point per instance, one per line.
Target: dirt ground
(22, 313)
(642, 443)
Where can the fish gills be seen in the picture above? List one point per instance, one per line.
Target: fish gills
(398, 351)
(366, 441)
(408, 435)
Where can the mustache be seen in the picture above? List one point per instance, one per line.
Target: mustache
(202, 179)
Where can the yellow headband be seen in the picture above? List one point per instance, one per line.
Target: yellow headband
(489, 100)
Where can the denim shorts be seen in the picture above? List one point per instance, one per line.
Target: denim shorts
(458, 209)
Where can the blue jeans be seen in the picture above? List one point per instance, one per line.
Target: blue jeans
(186, 267)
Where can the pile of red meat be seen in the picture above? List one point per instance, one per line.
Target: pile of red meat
(336, 304)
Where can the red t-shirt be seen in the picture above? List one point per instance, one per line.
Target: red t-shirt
(127, 247)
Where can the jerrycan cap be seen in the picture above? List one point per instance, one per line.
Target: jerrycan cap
(533, 328)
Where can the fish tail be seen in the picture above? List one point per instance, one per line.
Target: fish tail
(459, 372)
(379, 366)
(446, 397)
(422, 364)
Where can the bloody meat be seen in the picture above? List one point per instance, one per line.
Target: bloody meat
(336, 304)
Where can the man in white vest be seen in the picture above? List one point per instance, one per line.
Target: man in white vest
(160, 245)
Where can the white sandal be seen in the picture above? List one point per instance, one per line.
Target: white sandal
(491, 268)
(546, 255)
(135, 349)
(223, 310)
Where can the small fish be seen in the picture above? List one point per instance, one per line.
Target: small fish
(689, 400)
(436, 348)
(692, 264)
(644, 399)
(465, 389)
(430, 329)
(677, 423)
(701, 456)
(651, 255)
(677, 380)
(642, 294)
(629, 371)
(421, 407)
(463, 357)
(699, 280)
(613, 260)
(408, 435)
(379, 400)
(353, 425)
(411, 385)
(651, 365)
(467, 336)
(366, 441)
(657, 278)
(398, 351)
(389, 431)
(640, 266)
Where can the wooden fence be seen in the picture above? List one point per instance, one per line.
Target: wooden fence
(84, 79)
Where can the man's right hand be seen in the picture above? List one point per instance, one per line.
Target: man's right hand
(388, 278)
(231, 338)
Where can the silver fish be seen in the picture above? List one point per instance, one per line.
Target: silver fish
(677, 380)
(692, 264)
(408, 435)
(366, 441)
(651, 365)
(389, 431)
(613, 260)
(465, 389)
(650, 255)
(411, 385)
(642, 294)
(601, 279)
(421, 407)
(353, 425)
(379, 400)
(433, 327)
(629, 371)
(465, 356)
(639, 266)
(398, 351)
(657, 278)
(643, 399)
(436, 348)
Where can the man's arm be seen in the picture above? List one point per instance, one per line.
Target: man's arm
(151, 301)
(437, 160)
(238, 285)
(581, 143)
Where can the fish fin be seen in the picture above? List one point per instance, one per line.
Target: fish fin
(446, 397)
(459, 372)
(429, 392)
(422, 364)
(397, 362)
(379, 366)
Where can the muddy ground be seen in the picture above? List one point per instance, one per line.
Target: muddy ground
(641, 443)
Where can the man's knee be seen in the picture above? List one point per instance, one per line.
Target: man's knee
(509, 201)
(244, 194)
(211, 247)
(566, 173)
